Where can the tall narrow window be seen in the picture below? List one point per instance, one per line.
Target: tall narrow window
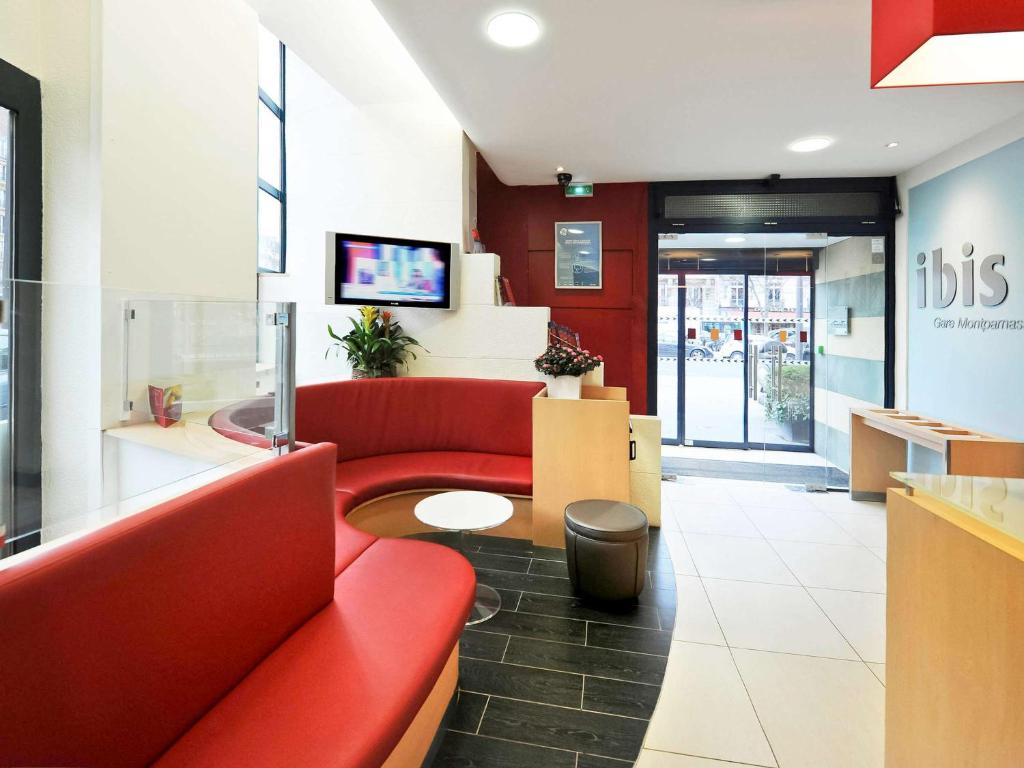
(271, 210)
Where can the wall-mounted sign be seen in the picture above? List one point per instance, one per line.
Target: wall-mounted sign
(838, 321)
(965, 272)
(579, 190)
(578, 254)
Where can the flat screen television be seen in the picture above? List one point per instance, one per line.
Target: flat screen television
(389, 271)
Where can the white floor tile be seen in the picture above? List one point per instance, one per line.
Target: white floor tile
(774, 497)
(869, 530)
(841, 502)
(734, 557)
(723, 521)
(695, 621)
(880, 552)
(860, 616)
(705, 493)
(832, 566)
(704, 709)
(817, 712)
(879, 670)
(681, 562)
(798, 525)
(651, 759)
(771, 617)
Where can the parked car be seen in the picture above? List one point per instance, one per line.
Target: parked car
(695, 350)
(766, 348)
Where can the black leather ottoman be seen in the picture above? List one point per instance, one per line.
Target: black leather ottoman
(606, 548)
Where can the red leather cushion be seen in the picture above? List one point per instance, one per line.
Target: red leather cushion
(112, 645)
(376, 476)
(349, 541)
(344, 688)
(371, 417)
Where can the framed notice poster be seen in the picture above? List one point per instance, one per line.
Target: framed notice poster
(577, 254)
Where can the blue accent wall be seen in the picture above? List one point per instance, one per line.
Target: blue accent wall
(958, 373)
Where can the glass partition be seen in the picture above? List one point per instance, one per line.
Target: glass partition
(112, 400)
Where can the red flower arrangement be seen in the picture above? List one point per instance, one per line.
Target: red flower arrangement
(562, 360)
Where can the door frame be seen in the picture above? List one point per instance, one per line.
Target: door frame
(681, 358)
(20, 93)
(881, 224)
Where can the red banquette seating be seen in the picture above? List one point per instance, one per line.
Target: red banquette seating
(211, 631)
(407, 434)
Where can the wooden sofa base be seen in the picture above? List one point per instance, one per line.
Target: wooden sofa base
(412, 749)
(392, 516)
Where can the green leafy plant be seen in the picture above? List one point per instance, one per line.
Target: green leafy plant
(375, 346)
(562, 360)
(790, 401)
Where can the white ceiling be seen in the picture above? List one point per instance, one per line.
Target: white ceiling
(683, 89)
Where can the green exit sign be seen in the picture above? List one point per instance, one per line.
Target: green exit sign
(579, 190)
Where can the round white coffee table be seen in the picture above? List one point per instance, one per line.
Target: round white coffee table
(465, 511)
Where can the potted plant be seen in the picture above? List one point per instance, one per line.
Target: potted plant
(375, 346)
(789, 402)
(563, 366)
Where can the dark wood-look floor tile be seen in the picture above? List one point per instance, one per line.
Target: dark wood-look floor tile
(549, 568)
(618, 697)
(468, 712)
(461, 750)
(661, 565)
(448, 538)
(589, 732)
(593, 761)
(524, 582)
(515, 682)
(587, 660)
(536, 626)
(499, 562)
(517, 547)
(578, 608)
(509, 598)
(662, 598)
(667, 617)
(482, 645)
(636, 639)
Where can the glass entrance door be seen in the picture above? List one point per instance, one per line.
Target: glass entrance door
(734, 342)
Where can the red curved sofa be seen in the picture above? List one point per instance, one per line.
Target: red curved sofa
(212, 631)
(407, 434)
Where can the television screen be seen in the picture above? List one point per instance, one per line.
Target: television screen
(391, 272)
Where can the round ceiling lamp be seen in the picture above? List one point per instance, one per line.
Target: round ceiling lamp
(946, 42)
(810, 144)
(513, 29)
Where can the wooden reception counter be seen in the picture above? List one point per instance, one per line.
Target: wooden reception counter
(955, 623)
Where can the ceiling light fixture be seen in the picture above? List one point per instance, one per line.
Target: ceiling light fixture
(810, 144)
(892, 145)
(736, 239)
(946, 42)
(513, 29)
(559, 169)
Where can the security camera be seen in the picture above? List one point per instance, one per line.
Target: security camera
(564, 179)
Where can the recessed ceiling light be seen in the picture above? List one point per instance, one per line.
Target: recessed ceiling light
(736, 239)
(709, 258)
(810, 144)
(559, 169)
(892, 145)
(513, 29)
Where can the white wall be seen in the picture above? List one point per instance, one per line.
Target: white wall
(379, 168)
(149, 174)
(982, 144)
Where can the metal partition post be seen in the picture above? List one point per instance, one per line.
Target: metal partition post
(283, 439)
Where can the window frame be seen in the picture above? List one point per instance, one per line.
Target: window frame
(281, 195)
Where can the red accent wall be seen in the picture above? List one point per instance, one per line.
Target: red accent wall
(518, 223)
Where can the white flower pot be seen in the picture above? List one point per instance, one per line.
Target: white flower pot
(564, 387)
(594, 378)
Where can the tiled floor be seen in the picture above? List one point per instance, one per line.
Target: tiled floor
(553, 681)
(778, 652)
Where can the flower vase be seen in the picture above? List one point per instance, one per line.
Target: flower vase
(594, 378)
(564, 387)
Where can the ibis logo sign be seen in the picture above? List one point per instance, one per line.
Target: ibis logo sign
(985, 281)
